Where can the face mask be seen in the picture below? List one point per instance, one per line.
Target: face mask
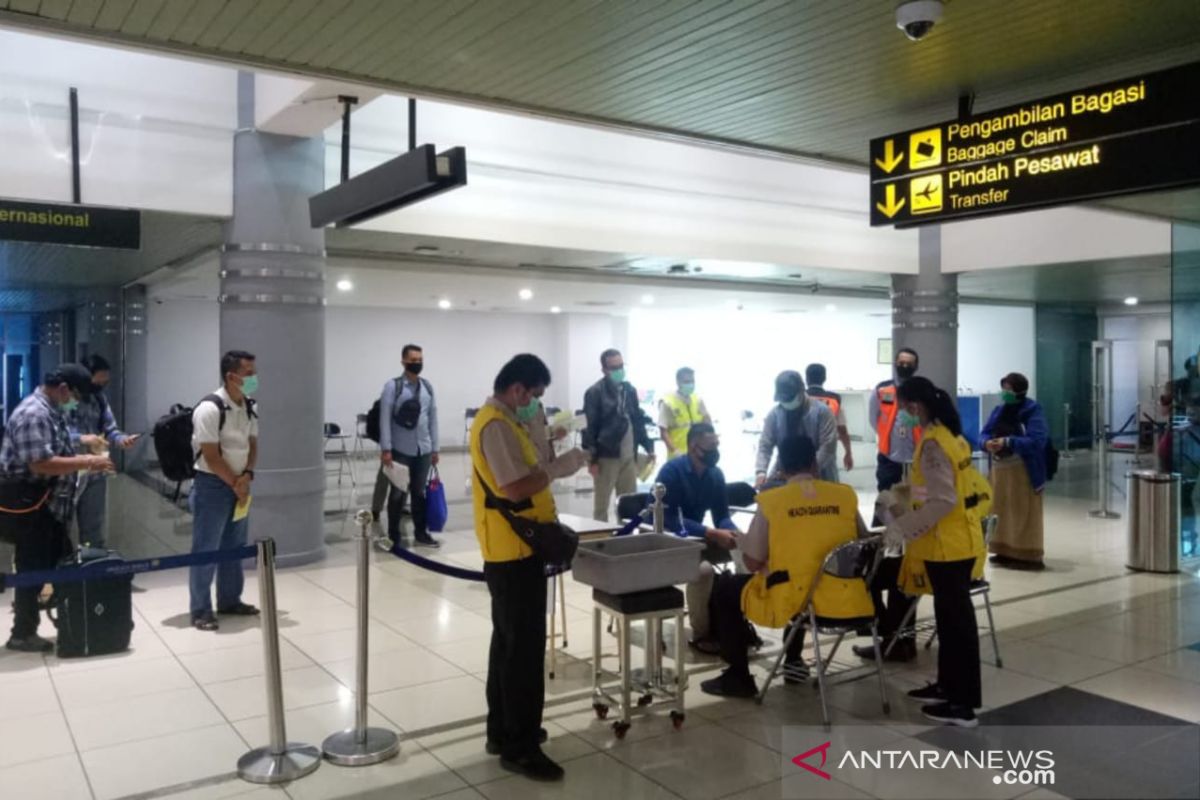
(909, 420)
(1008, 398)
(905, 371)
(710, 457)
(69, 406)
(527, 412)
(617, 375)
(415, 367)
(249, 385)
(792, 405)
(687, 389)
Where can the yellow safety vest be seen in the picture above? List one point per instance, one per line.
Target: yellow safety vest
(684, 414)
(496, 537)
(958, 535)
(805, 520)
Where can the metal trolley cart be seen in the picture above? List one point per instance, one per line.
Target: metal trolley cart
(634, 580)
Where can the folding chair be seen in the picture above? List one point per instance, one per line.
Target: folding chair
(979, 588)
(740, 495)
(632, 505)
(360, 448)
(856, 559)
(333, 433)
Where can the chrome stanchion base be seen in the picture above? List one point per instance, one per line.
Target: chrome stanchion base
(260, 765)
(345, 748)
(1102, 514)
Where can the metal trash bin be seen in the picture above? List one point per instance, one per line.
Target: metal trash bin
(1153, 515)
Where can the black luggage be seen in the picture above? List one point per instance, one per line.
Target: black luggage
(94, 617)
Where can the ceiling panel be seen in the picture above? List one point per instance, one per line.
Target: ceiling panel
(810, 77)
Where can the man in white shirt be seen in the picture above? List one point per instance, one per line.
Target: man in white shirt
(225, 440)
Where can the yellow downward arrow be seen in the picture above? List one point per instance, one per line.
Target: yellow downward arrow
(890, 209)
(890, 158)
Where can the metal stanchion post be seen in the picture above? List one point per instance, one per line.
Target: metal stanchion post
(1104, 481)
(281, 760)
(1066, 453)
(362, 745)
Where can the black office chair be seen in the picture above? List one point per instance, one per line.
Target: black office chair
(740, 495)
(632, 505)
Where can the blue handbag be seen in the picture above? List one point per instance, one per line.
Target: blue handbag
(436, 511)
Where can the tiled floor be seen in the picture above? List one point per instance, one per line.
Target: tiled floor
(171, 716)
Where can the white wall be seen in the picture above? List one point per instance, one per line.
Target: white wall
(992, 342)
(183, 353)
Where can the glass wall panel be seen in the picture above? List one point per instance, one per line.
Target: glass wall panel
(1185, 388)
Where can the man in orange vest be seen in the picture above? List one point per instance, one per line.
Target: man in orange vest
(815, 375)
(897, 434)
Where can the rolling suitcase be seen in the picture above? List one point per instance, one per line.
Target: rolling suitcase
(94, 617)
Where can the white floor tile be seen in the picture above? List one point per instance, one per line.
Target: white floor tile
(1002, 687)
(245, 661)
(338, 645)
(58, 778)
(1165, 694)
(412, 774)
(469, 655)
(594, 777)
(17, 667)
(311, 724)
(141, 717)
(163, 761)
(36, 737)
(246, 697)
(112, 682)
(462, 750)
(1052, 664)
(416, 708)
(396, 670)
(1102, 644)
(27, 697)
(1183, 664)
(449, 625)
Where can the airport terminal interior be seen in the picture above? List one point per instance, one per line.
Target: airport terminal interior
(738, 188)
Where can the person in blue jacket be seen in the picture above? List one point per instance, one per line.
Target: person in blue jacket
(695, 490)
(1016, 436)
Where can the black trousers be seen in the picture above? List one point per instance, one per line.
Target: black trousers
(887, 472)
(418, 477)
(731, 627)
(38, 546)
(958, 633)
(516, 683)
(890, 614)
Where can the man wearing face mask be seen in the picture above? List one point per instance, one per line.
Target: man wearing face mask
(93, 429)
(897, 432)
(616, 427)
(510, 474)
(796, 415)
(408, 434)
(38, 468)
(225, 440)
(696, 489)
(679, 411)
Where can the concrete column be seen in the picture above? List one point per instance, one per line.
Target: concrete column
(273, 305)
(925, 312)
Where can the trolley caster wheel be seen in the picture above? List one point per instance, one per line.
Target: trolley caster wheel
(645, 700)
(677, 718)
(601, 710)
(620, 729)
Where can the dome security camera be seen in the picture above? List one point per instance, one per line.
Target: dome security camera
(917, 17)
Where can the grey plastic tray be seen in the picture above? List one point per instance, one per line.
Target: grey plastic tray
(625, 564)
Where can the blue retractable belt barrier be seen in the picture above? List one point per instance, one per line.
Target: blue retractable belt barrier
(449, 570)
(105, 569)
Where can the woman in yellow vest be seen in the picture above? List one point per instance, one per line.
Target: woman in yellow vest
(679, 411)
(508, 473)
(942, 543)
(796, 526)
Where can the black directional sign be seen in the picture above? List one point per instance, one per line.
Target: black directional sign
(1128, 136)
(82, 226)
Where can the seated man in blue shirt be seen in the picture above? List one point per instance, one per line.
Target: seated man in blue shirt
(696, 488)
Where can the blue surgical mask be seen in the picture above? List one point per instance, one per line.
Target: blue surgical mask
(249, 385)
(909, 420)
(527, 412)
(617, 375)
(687, 389)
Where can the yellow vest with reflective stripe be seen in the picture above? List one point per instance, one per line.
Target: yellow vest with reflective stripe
(805, 520)
(496, 537)
(684, 414)
(957, 536)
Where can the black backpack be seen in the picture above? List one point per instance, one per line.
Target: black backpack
(173, 438)
(373, 416)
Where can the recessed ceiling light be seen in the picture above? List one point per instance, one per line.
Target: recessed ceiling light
(830, 307)
(525, 294)
(345, 285)
(1131, 301)
(444, 304)
(555, 310)
(647, 299)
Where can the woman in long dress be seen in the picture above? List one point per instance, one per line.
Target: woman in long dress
(1016, 436)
